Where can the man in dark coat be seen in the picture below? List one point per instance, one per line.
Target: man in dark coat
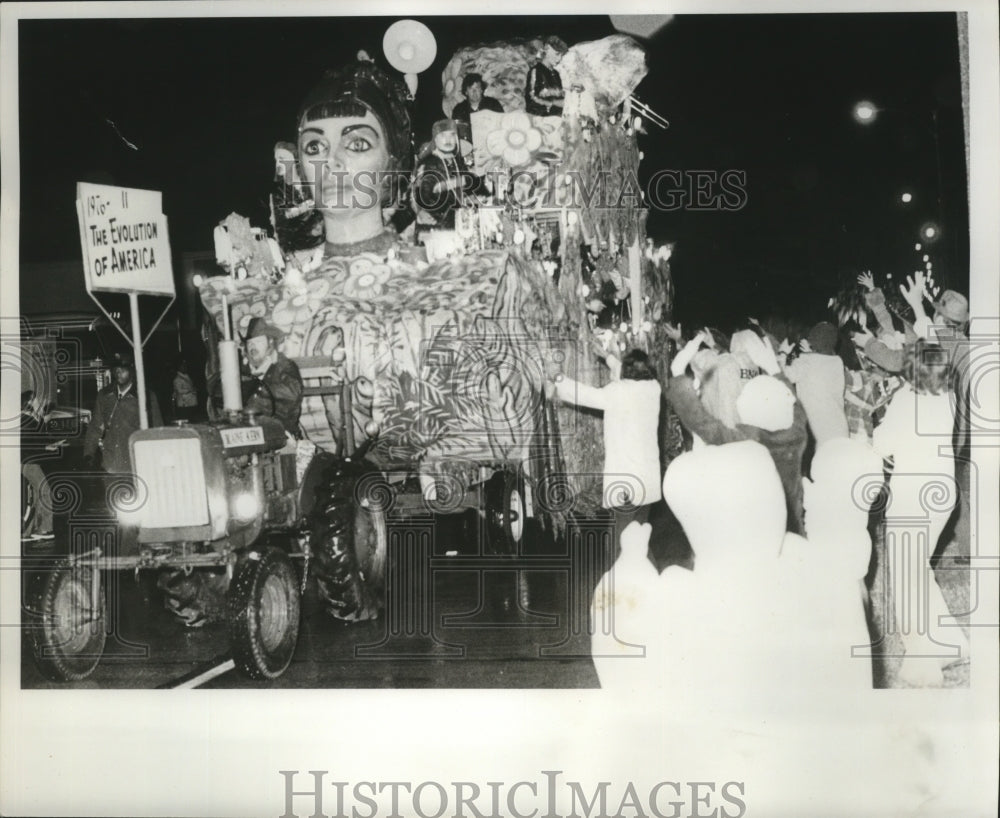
(278, 390)
(474, 87)
(116, 416)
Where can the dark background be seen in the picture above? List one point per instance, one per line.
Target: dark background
(204, 100)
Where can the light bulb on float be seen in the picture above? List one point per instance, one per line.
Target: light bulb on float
(410, 48)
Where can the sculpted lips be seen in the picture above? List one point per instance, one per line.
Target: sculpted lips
(337, 187)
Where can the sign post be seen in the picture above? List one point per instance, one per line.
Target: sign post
(123, 236)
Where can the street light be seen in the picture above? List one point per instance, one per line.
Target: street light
(930, 232)
(865, 112)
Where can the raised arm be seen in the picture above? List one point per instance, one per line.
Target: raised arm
(695, 417)
(581, 394)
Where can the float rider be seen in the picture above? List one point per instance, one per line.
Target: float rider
(278, 391)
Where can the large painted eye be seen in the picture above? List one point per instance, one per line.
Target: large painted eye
(358, 144)
(315, 146)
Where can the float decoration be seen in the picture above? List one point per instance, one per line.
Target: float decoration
(410, 48)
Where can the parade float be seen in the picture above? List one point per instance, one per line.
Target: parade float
(426, 368)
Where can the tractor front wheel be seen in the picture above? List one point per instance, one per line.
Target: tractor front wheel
(264, 611)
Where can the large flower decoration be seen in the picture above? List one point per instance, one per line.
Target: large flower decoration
(451, 83)
(515, 140)
(367, 278)
(299, 303)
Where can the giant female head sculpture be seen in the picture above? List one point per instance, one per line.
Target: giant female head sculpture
(354, 148)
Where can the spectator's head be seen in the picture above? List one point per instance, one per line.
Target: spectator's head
(765, 402)
(122, 369)
(742, 340)
(730, 502)
(719, 337)
(927, 368)
(636, 366)
(703, 363)
(952, 309)
(822, 338)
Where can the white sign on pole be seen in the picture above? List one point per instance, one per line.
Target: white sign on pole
(123, 233)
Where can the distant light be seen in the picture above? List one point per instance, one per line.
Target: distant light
(197, 280)
(865, 112)
(907, 197)
(930, 232)
(917, 245)
(926, 257)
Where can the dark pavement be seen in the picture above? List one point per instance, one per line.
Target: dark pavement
(455, 618)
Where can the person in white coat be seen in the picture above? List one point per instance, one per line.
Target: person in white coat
(765, 617)
(846, 479)
(916, 434)
(626, 616)
(631, 407)
(820, 383)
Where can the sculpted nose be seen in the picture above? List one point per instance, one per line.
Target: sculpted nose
(337, 160)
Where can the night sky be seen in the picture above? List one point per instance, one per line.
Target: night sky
(204, 100)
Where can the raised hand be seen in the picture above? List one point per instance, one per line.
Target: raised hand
(913, 290)
(762, 355)
(684, 356)
(673, 333)
(861, 338)
(867, 280)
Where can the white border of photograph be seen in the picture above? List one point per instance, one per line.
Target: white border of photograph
(219, 753)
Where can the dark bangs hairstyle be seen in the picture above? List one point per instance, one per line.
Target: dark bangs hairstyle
(636, 366)
(363, 87)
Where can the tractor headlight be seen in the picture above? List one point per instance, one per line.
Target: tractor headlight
(245, 506)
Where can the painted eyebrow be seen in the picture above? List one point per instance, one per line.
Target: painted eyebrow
(352, 128)
(349, 129)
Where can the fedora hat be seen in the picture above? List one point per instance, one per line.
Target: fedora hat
(258, 327)
(953, 306)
